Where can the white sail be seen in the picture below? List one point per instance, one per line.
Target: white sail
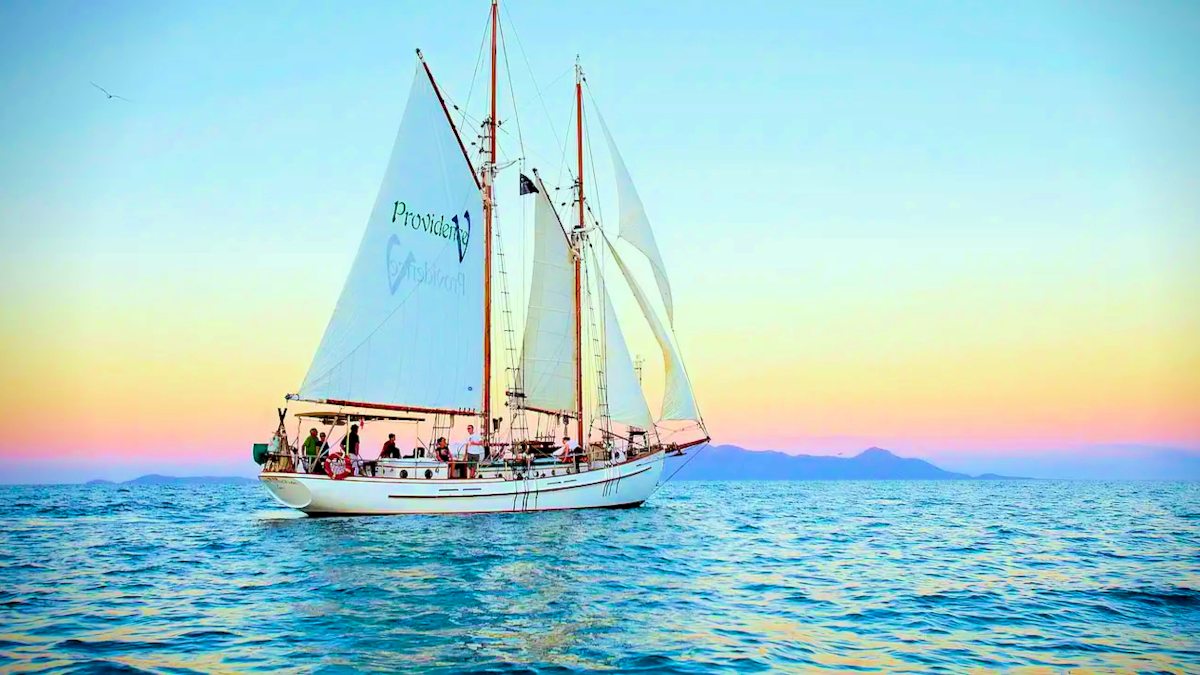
(678, 401)
(408, 326)
(626, 402)
(548, 347)
(634, 225)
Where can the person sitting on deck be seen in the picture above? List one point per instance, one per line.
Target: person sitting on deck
(561, 453)
(512, 455)
(568, 452)
(390, 451)
(569, 449)
(441, 450)
(311, 449)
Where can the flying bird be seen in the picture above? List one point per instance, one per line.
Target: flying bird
(106, 93)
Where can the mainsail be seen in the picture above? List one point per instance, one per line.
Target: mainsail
(634, 225)
(408, 326)
(678, 401)
(548, 350)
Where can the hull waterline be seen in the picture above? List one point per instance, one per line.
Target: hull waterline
(622, 485)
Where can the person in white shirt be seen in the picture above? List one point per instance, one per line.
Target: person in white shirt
(568, 452)
(474, 448)
(563, 451)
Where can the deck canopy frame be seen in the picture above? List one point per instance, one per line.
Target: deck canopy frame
(340, 418)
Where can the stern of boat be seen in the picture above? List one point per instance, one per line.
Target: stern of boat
(287, 490)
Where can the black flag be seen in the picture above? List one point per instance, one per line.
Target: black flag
(527, 186)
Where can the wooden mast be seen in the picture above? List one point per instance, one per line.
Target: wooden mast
(579, 426)
(488, 208)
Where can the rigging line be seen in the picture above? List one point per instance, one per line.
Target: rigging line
(689, 461)
(599, 215)
(529, 67)
(512, 94)
(562, 163)
(474, 75)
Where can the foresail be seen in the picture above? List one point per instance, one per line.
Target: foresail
(678, 401)
(634, 225)
(548, 347)
(408, 326)
(626, 402)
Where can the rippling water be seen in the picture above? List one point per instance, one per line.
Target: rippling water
(891, 576)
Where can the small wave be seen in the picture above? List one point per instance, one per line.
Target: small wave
(99, 666)
(108, 646)
(1169, 597)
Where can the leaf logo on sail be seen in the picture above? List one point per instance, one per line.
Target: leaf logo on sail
(463, 236)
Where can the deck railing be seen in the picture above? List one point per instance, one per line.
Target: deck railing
(295, 461)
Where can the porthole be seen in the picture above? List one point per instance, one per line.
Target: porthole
(428, 473)
(404, 473)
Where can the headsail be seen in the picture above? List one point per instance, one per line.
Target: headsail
(678, 400)
(408, 326)
(548, 347)
(634, 225)
(626, 402)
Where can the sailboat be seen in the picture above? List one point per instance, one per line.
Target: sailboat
(410, 343)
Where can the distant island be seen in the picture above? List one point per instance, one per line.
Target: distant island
(719, 462)
(158, 479)
(729, 462)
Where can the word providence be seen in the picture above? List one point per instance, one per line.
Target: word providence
(435, 224)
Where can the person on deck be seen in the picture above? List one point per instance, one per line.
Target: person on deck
(474, 449)
(350, 441)
(441, 450)
(390, 451)
(568, 452)
(324, 443)
(311, 450)
(350, 447)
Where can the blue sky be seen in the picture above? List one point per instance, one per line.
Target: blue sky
(901, 205)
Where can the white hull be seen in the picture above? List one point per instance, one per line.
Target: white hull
(622, 485)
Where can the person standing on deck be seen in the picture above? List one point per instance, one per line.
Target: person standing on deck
(350, 447)
(350, 441)
(312, 448)
(474, 448)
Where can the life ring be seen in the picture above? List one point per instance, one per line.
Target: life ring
(347, 467)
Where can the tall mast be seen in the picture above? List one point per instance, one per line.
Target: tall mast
(579, 426)
(488, 209)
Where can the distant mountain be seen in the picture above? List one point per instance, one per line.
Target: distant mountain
(729, 462)
(1090, 462)
(158, 479)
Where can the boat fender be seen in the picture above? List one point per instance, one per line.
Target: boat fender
(338, 466)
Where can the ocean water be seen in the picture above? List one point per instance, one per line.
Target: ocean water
(755, 576)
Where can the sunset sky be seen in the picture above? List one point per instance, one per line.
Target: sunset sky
(962, 231)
